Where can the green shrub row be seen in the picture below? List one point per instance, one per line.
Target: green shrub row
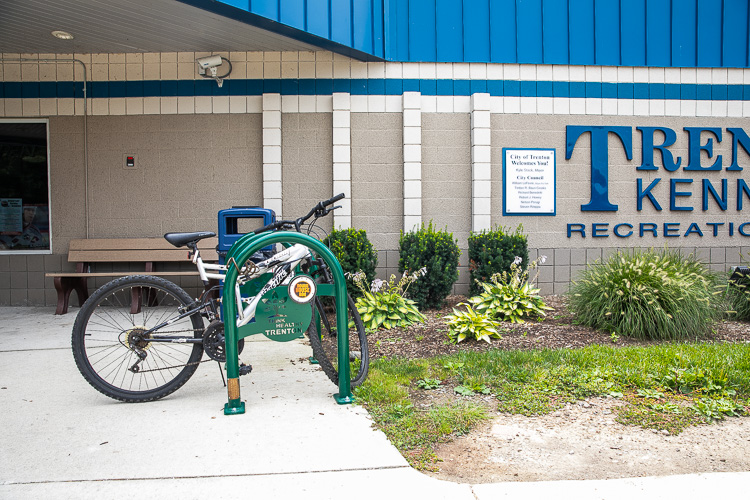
(492, 252)
(436, 251)
(355, 253)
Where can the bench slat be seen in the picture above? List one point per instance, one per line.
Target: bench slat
(144, 250)
(134, 244)
(117, 273)
(127, 255)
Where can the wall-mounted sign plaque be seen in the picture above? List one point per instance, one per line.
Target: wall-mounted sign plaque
(529, 181)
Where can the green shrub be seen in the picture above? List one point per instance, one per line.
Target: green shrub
(437, 252)
(492, 252)
(355, 253)
(646, 295)
(470, 324)
(382, 304)
(509, 296)
(738, 296)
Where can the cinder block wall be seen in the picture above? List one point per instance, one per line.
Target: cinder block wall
(446, 180)
(197, 154)
(377, 183)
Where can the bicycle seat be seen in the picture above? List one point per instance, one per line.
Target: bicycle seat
(182, 239)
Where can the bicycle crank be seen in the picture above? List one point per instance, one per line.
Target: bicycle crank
(214, 342)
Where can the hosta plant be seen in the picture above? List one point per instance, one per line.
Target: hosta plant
(470, 324)
(509, 296)
(382, 304)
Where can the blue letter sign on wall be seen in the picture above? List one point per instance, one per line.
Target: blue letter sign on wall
(599, 161)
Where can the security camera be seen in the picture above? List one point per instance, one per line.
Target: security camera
(208, 62)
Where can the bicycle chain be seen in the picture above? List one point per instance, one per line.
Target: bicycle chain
(173, 367)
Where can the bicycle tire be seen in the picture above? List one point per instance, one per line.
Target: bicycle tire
(325, 346)
(107, 327)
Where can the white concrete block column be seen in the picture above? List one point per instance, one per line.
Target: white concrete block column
(481, 165)
(342, 158)
(412, 105)
(272, 152)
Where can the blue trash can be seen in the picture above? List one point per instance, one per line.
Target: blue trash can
(232, 223)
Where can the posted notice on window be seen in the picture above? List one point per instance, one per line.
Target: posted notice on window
(11, 215)
(528, 181)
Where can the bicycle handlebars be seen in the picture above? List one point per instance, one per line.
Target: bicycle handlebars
(319, 210)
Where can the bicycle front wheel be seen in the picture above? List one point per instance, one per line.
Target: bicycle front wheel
(115, 354)
(324, 341)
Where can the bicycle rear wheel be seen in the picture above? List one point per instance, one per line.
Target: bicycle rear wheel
(109, 339)
(324, 341)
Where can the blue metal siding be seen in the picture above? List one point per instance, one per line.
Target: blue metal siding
(317, 18)
(581, 31)
(709, 25)
(633, 33)
(680, 33)
(555, 32)
(449, 23)
(265, 8)
(658, 33)
(503, 31)
(683, 40)
(735, 32)
(362, 26)
(529, 31)
(341, 22)
(292, 13)
(607, 31)
(422, 30)
(476, 31)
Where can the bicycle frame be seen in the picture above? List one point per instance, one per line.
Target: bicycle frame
(281, 264)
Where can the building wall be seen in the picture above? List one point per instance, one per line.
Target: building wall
(404, 154)
(377, 183)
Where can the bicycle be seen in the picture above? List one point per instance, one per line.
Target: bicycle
(140, 338)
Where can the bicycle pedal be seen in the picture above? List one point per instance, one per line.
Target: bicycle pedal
(245, 369)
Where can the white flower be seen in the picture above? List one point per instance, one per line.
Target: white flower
(517, 260)
(377, 284)
(543, 259)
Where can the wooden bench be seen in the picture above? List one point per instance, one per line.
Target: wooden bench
(148, 251)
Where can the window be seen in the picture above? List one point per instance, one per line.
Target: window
(24, 187)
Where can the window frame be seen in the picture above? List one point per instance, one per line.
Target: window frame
(46, 251)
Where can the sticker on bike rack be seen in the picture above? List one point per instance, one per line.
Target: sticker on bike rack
(302, 289)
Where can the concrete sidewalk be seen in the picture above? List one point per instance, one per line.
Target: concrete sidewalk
(62, 439)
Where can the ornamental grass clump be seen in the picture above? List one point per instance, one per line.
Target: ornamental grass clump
(382, 304)
(509, 296)
(658, 295)
(738, 296)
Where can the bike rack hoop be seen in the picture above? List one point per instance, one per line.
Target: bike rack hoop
(240, 252)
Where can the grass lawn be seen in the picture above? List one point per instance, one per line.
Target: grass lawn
(666, 387)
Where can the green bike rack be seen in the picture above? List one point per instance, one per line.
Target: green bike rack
(239, 253)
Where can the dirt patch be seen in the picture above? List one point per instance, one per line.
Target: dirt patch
(555, 331)
(583, 441)
(580, 441)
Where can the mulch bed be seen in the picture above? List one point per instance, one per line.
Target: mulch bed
(556, 330)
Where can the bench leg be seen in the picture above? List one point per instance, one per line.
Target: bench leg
(64, 286)
(136, 300)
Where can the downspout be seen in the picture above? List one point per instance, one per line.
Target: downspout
(85, 125)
